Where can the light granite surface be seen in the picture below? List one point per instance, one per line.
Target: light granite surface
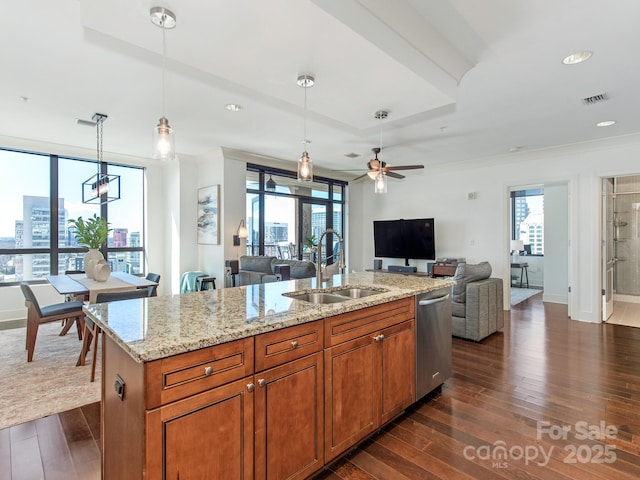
(153, 328)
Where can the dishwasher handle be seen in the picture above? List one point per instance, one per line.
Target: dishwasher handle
(431, 301)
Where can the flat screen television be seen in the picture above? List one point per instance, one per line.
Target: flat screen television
(406, 239)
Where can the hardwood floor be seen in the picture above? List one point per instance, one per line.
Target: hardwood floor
(516, 389)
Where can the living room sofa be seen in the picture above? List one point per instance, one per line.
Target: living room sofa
(476, 307)
(261, 269)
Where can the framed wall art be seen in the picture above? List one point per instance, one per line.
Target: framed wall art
(208, 217)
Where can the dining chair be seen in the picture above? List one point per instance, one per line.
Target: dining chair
(92, 331)
(69, 311)
(153, 277)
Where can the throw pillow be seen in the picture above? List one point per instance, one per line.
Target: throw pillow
(466, 273)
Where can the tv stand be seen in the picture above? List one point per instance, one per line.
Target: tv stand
(413, 274)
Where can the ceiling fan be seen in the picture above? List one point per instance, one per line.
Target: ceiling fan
(375, 165)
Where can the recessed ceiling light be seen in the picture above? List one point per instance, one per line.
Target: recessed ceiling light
(577, 57)
(515, 149)
(606, 123)
(233, 107)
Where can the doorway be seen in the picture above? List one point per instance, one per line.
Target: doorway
(620, 246)
(540, 227)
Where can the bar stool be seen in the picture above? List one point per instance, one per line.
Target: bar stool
(203, 283)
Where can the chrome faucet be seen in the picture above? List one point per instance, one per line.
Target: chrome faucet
(341, 261)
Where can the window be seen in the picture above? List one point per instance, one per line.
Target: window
(527, 218)
(41, 193)
(285, 218)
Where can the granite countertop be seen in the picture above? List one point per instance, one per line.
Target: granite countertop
(153, 328)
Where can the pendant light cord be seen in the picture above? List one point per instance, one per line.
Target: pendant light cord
(305, 141)
(164, 55)
(99, 145)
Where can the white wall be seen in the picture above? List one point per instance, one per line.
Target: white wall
(556, 243)
(478, 229)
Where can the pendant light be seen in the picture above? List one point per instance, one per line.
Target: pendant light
(163, 138)
(380, 180)
(101, 187)
(270, 186)
(305, 166)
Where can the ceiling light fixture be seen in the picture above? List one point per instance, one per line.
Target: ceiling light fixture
(101, 187)
(606, 123)
(270, 185)
(577, 57)
(380, 178)
(305, 166)
(163, 139)
(233, 107)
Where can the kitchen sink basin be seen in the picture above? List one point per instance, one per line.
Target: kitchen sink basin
(356, 292)
(319, 297)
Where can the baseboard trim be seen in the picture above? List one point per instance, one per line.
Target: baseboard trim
(547, 297)
(10, 324)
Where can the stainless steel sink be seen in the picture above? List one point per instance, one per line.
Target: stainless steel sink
(319, 297)
(356, 292)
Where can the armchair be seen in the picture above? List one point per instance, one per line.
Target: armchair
(476, 305)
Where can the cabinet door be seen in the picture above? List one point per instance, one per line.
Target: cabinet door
(351, 405)
(289, 414)
(397, 368)
(208, 436)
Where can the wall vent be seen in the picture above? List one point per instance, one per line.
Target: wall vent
(601, 97)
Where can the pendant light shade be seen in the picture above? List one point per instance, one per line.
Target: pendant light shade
(163, 138)
(380, 183)
(164, 146)
(270, 186)
(305, 165)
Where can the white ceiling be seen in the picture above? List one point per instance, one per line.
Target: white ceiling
(461, 79)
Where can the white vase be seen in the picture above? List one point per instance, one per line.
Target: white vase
(101, 271)
(90, 260)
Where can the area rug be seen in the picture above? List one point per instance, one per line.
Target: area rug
(519, 295)
(51, 383)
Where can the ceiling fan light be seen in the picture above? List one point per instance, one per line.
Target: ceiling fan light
(380, 184)
(163, 141)
(305, 168)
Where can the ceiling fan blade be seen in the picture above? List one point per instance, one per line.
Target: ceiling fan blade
(359, 177)
(405, 167)
(394, 175)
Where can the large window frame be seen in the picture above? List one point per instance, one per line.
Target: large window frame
(332, 185)
(54, 250)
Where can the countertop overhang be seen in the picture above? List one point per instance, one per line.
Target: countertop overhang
(157, 327)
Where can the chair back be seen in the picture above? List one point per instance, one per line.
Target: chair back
(116, 296)
(30, 296)
(72, 272)
(153, 277)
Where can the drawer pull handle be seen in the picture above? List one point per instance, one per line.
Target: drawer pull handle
(251, 387)
(208, 371)
(379, 338)
(294, 344)
(262, 382)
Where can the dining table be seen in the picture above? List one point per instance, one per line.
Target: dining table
(78, 285)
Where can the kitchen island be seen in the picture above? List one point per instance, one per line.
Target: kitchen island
(249, 382)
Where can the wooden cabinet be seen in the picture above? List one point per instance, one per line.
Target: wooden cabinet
(206, 436)
(276, 406)
(369, 372)
(289, 403)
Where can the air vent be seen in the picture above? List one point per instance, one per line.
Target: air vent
(601, 97)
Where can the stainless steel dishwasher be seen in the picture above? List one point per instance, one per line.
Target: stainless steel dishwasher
(433, 340)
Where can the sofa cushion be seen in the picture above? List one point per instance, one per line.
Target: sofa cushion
(260, 264)
(466, 273)
(301, 269)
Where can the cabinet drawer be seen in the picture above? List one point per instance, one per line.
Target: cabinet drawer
(280, 346)
(366, 321)
(180, 376)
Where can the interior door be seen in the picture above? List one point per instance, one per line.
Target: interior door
(608, 248)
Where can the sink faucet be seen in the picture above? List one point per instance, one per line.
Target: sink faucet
(341, 261)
